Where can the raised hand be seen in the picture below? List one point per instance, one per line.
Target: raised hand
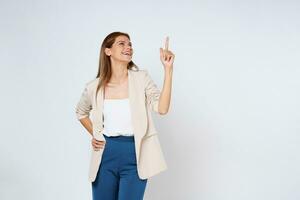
(166, 56)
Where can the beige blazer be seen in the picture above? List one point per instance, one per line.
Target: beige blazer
(143, 98)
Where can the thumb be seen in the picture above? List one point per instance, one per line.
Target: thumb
(161, 52)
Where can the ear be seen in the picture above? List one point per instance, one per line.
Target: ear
(107, 51)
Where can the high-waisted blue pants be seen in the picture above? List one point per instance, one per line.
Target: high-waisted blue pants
(117, 177)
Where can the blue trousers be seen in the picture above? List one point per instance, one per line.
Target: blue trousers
(117, 177)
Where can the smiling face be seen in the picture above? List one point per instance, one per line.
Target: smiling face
(121, 50)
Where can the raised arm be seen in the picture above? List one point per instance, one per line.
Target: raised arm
(159, 101)
(167, 59)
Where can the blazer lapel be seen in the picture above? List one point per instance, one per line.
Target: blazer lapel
(137, 105)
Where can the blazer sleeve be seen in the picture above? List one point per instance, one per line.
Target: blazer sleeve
(152, 92)
(84, 106)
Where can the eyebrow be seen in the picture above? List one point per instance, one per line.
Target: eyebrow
(124, 41)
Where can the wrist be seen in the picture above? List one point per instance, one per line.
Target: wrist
(168, 72)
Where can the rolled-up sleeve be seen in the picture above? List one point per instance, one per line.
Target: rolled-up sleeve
(84, 105)
(152, 92)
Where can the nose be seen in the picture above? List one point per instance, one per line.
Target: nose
(128, 47)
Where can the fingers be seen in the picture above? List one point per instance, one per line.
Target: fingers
(167, 43)
(166, 55)
(97, 145)
(172, 58)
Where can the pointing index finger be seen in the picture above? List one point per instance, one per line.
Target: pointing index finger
(167, 43)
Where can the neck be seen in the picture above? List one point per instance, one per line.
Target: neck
(119, 72)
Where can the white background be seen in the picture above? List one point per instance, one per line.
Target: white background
(232, 132)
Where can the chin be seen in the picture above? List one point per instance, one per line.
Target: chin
(126, 60)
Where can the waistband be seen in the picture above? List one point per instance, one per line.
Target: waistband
(120, 138)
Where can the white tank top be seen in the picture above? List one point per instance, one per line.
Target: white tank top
(117, 117)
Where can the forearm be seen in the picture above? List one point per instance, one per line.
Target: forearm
(87, 123)
(165, 96)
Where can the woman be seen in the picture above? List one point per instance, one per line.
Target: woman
(115, 108)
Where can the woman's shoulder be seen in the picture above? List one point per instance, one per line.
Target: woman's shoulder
(92, 83)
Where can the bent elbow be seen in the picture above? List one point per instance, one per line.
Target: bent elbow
(162, 112)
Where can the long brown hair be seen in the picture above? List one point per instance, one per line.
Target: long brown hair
(104, 70)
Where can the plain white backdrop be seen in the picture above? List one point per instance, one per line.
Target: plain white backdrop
(233, 129)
